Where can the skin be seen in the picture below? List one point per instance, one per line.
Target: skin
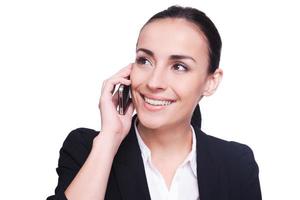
(159, 74)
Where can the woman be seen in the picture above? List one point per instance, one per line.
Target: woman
(160, 153)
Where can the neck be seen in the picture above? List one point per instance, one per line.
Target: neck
(167, 140)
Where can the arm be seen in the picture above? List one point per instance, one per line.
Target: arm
(84, 172)
(84, 165)
(73, 154)
(250, 187)
(91, 180)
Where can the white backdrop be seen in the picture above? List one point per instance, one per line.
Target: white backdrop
(55, 54)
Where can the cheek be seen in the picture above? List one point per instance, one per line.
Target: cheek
(139, 76)
(191, 86)
(135, 77)
(135, 82)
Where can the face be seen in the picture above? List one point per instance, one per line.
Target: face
(170, 74)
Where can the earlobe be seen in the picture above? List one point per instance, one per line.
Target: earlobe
(213, 82)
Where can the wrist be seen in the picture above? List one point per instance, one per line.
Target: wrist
(106, 142)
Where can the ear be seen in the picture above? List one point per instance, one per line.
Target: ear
(212, 82)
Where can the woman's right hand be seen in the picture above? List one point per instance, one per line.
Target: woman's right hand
(114, 126)
(91, 180)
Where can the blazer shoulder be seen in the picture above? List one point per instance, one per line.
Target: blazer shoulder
(82, 136)
(227, 149)
(78, 145)
(238, 167)
(234, 157)
(73, 153)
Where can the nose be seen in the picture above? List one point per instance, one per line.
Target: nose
(156, 80)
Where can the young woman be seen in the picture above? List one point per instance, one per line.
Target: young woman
(160, 153)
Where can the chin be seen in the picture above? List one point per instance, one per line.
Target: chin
(153, 121)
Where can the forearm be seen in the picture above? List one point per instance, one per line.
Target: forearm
(91, 181)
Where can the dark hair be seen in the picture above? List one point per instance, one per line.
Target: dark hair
(203, 23)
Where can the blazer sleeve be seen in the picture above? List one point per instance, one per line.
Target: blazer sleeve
(250, 186)
(73, 154)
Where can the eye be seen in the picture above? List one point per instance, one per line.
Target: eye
(142, 61)
(180, 67)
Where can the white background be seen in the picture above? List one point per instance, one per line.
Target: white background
(55, 54)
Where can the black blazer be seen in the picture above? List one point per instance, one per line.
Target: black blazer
(225, 170)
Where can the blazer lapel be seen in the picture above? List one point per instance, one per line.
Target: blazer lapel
(129, 168)
(207, 169)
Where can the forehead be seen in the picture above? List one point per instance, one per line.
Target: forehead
(173, 36)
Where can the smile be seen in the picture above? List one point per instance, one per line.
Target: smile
(157, 102)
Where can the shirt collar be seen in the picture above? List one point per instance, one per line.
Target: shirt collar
(146, 153)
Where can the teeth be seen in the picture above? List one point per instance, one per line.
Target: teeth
(157, 102)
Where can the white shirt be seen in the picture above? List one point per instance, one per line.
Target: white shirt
(184, 185)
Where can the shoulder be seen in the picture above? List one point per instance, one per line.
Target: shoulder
(236, 165)
(73, 154)
(82, 136)
(234, 159)
(78, 145)
(227, 149)
(230, 154)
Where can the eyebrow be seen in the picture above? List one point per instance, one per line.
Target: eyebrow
(172, 57)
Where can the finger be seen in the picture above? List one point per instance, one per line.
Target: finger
(109, 86)
(115, 99)
(124, 72)
(115, 81)
(127, 67)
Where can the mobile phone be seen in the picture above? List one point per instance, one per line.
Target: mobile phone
(123, 98)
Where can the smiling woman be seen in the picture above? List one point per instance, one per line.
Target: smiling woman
(161, 152)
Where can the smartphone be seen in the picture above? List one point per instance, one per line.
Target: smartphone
(123, 98)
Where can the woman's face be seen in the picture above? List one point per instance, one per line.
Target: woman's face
(170, 74)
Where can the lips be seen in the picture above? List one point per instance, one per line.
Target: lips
(152, 97)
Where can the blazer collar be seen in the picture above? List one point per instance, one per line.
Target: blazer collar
(130, 173)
